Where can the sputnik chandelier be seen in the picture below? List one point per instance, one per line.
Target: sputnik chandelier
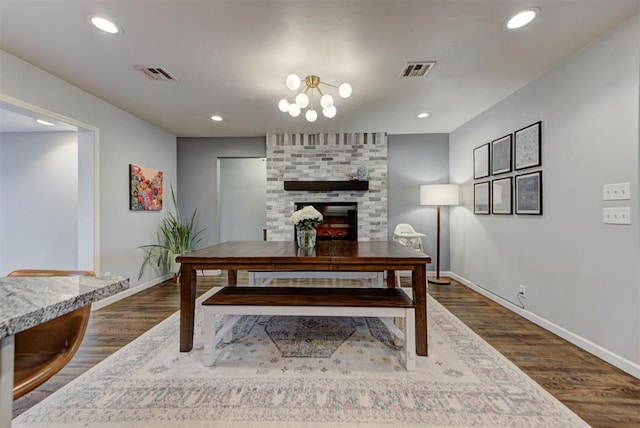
(308, 91)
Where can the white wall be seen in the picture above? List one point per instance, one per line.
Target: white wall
(39, 176)
(581, 275)
(123, 139)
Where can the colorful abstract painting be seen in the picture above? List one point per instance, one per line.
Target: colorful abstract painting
(145, 189)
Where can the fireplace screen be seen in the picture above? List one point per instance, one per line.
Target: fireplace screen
(340, 220)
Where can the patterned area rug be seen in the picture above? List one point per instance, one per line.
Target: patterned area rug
(351, 375)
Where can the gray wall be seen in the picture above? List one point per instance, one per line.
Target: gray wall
(581, 275)
(413, 160)
(122, 139)
(198, 176)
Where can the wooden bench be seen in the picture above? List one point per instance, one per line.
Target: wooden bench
(234, 302)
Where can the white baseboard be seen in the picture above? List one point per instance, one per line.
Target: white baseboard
(129, 292)
(138, 288)
(595, 349)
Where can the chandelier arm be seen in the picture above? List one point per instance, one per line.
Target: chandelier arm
(328, 84)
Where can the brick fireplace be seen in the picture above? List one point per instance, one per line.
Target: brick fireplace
(327, 157)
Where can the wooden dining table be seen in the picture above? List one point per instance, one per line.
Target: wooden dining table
(347, 256)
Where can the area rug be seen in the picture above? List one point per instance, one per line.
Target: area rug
(304, 372)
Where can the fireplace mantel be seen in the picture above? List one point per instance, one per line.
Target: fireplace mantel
(326, 186)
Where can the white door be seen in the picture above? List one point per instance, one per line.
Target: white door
(243, 198)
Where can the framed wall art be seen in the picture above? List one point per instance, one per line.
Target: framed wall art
(481, 198)
(528, 143)
(145, 188)
(501, 155)
(481, 161)
(501, 196)
(529, 193)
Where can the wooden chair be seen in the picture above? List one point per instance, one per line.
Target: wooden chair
(43, 350)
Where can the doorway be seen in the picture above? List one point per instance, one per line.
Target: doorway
(242, 198)
(49, 190)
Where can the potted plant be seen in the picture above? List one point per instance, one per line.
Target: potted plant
(175, 238)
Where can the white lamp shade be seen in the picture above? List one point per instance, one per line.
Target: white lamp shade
(311, 115)
(330, 112)
(294, 110)
(344, 90)
(293, 82)
(439, 194)
(302, 100)
(283, 105)
(326, 101)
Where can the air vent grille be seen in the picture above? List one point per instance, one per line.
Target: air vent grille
(157, 73)
(417, 68)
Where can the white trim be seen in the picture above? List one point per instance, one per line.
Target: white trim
(130, 292)
(593, 348)
(96, 164)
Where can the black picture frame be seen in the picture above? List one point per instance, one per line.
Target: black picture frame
(528, 146)
(481, 198)
(528, 198)
(481, 161)
(501, 155)
(502, 196)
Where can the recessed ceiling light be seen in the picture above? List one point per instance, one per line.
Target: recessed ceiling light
(423, 115)
(522, 18)
(44, 122)
(104, 24)
(216, 118)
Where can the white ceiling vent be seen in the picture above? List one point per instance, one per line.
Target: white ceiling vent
(157, 73)
(417, 68)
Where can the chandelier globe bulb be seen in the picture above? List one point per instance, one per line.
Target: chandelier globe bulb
(311, 115)
(294, 110)
(302, 100)
(344, 90)
(326, 101)
(293, 82)
(283, 105)
(329, 112)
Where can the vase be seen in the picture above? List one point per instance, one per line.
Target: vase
(306, 237)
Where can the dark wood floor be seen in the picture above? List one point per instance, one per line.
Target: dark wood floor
(599, 393)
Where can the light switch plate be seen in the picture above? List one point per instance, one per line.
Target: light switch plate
(620, 215)
(616, 192)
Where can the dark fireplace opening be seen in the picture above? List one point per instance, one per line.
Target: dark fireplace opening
(340, 220)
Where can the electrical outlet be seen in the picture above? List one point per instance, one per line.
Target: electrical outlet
(618, 215)
(523, 291)
(616, 192)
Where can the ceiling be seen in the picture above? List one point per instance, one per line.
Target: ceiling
(232, 57)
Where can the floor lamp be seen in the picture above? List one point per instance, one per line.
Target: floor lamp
(438, 195)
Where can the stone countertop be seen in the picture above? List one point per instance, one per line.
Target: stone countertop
(28, 301)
